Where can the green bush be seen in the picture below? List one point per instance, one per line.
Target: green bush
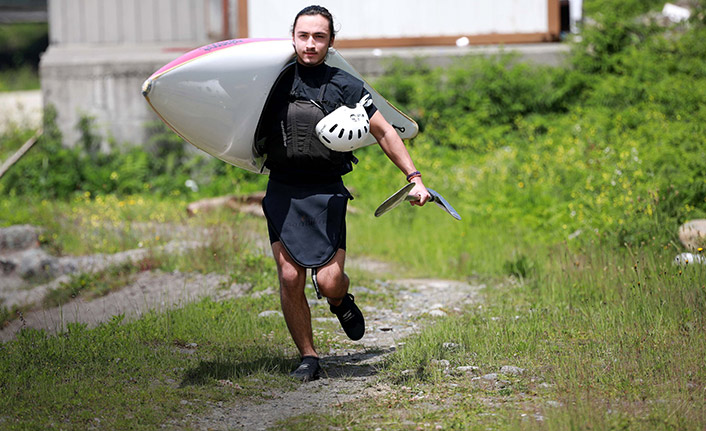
(608, 147)
(472, 104)
(162, 166)
(48, 169)
(22, 43)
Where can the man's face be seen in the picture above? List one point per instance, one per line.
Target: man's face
(312, 39)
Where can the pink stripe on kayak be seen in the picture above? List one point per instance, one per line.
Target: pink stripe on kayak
(206, 49)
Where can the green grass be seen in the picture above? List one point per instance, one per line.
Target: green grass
(100, 224)
(21, 79)
(165, 366)
(118, 225)
(160, 368)
(608, 341)
(617, 335)
(113, 376)
(136, 375)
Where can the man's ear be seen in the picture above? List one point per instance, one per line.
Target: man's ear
(330, 43)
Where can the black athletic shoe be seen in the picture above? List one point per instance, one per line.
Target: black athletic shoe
(351, 318)
(308, 370)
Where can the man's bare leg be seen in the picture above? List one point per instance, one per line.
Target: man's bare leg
(333, 281)
(292, 279)
(334, 284)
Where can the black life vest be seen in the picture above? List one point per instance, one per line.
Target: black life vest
(291, 145)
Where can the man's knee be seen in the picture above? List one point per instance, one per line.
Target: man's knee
(290, 275)
(292, 280)
(333, 284)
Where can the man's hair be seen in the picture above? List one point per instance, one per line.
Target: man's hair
(316, 10)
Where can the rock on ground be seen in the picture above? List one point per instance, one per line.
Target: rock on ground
(150, 291)
(692, 234)
(19, 237)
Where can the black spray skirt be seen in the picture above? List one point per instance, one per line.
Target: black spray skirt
(308, 219)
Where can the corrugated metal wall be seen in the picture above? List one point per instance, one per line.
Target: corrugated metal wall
(128, 21)
(155, 21)
(365, 19)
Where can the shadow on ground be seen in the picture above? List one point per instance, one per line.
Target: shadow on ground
(205, 371)
(360, 364)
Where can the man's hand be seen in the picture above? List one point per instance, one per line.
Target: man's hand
(420, 191)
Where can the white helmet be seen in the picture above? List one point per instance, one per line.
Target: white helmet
(345, 129)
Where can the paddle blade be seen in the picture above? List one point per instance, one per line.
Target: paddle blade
(394, 200)
(443, 204)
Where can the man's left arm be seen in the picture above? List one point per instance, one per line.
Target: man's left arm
(394, 148)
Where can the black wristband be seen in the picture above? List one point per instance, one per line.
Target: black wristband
(413, 175)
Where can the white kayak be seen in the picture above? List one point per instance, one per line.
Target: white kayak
(213, 97)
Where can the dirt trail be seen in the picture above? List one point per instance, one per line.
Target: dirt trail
(348, 374)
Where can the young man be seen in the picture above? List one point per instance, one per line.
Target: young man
(306, 200)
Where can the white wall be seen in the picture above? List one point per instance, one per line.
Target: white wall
(127, 21)
(364, 19)
(164, 21)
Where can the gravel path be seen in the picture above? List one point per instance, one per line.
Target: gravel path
(349, 374)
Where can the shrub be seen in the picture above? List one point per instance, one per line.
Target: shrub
(608, 147)
(22, 43)
(162, 166)
(20, 47)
